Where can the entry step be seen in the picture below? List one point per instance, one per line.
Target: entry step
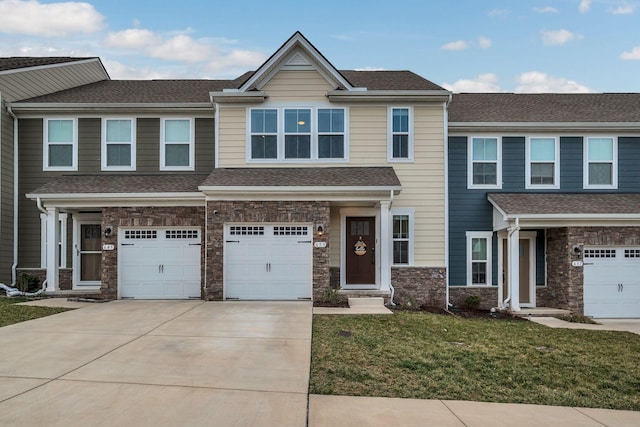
(366, 302)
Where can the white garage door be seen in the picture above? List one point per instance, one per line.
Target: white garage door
(159, 263)
(268, 262)
(612, 282)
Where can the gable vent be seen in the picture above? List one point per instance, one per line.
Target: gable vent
(298, 59)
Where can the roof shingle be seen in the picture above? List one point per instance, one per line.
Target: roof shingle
(17, 62)
(566, 203)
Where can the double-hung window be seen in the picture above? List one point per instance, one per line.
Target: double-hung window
(600, 162)
(292, 134)
(479, 258)
(400, 134)
(484, 163)
(402, 236)
(177, 144)
(543, 154)
(60, 145)
(119, 144)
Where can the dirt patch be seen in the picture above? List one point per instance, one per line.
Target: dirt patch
(466, 313)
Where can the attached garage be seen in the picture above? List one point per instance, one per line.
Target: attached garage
(160, 263)
(612, 281)
(268, 261)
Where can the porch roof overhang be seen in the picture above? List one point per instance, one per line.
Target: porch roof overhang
(309, 184)
(87, 191)
(548, 210)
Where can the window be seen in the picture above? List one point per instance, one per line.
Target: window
(402, 235)
(485, 163)
(479, 258)
(118, 144)
(542, 163)
(400, 138)
(177, 144)
(330, 133)
(600, 162)
(297, 134)
(60, 145)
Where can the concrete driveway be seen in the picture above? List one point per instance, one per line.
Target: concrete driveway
(159, 363)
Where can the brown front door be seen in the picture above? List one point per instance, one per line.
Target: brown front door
(523, 262)
(361, 251)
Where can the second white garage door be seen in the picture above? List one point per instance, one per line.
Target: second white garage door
(159, 263)
(612, 282)
(268, 262)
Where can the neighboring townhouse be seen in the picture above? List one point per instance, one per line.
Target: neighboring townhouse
(22, 78)
(544, 201)
(284, 183)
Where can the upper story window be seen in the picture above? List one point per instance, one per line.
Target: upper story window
(402, 236)
(600, 162)
(479, 258)
(543, 166)
(297, 134)
(485, 168)
(118, 144)
(400, 135)
(177, 144)
(60, 145)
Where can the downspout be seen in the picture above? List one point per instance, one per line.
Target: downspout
(393, 290)
(511, 230)
(14, 266)
(446, 198)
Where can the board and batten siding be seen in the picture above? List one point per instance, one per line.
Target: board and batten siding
(6, 195)
(28, 83)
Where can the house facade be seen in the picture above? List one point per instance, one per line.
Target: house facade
(544, 201)
(285, 183)
(298, 179)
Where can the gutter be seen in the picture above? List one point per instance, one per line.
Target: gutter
(446, 198)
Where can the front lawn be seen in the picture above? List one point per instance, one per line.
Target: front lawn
(11, 313)
(429, 356)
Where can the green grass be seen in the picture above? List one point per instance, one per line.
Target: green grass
(428, 356)
(11, 313)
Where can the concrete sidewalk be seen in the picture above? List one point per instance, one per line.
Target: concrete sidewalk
(353, 411)
(621, 325)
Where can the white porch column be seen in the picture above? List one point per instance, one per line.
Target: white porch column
(386, 246)
(52, 249)
(513, 246)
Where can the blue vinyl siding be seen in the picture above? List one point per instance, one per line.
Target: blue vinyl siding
(469, 209)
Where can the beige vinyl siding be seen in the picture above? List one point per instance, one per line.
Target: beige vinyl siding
(232, 136)
(296, 86)
(6, 195)
(26, 83)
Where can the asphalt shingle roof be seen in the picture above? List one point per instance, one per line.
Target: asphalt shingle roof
(17, 62)
(566, 203)
(304, 177)
(389, 80)
(550, 107)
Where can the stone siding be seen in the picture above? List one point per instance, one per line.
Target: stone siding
(221, 212)
(488, 296)
(416, 286)
(65, 276)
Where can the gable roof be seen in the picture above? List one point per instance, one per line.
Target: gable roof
(19, 62)
(544, 108)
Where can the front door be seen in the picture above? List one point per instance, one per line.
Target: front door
(524, 277)
(361, 251)
(88, 248)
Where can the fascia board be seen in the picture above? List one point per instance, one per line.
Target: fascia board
(351, 198)
(67, 107)
(296, 189)
(116, 196)
(60, 64)
(455, 127)
(237, 97)
(388, 95)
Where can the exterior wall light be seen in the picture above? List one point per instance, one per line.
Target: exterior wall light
(320, 230)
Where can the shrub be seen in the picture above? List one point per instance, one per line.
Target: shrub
(472, 302)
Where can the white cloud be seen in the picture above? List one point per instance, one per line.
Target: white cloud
(456, 45)
(585, 6)
(482, 83)
(539, 82)
(49, 20)
(120, 71)
(498, 12)
(132, 39)
(484, 42)
(633, 54)
(370, 69)
(558, 37)
(546, 9)
(624, 9)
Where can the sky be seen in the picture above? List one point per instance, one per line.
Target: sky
(524, 46)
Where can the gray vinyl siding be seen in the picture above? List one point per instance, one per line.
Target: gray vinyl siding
(148, 145)
(89, 148)
(205, 145)
(6, 195)
(469, 209)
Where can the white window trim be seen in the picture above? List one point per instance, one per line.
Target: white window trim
(480, 235)
(556, 164)
(74, 145)
(192, 154)
(106, 167)
(614, 169)
(470, 162)
(281, 134)
(410, 212)
(390, 157)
